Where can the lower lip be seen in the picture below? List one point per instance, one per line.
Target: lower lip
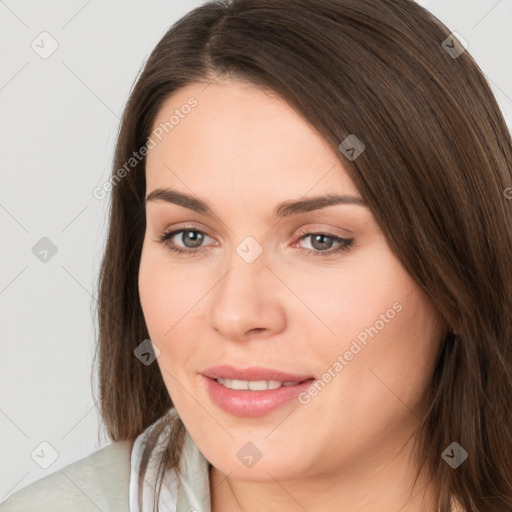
(253, 403)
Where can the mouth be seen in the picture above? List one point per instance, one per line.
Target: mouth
(251, 397)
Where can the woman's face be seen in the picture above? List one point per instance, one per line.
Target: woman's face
(268, 290)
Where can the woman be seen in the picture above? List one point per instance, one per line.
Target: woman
(306, 293)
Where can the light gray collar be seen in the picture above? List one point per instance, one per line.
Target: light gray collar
(191, 492)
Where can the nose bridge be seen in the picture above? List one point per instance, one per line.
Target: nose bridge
(245, 299)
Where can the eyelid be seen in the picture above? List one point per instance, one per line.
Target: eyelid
(324, 229)
(186, 226)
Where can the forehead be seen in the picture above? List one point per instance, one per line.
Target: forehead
(243, 141)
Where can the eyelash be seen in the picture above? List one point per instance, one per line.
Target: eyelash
(345, 243)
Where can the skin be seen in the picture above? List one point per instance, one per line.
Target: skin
(244, 150)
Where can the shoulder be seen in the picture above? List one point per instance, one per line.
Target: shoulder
(99, 481)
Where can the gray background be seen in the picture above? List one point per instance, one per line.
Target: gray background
(60, 116)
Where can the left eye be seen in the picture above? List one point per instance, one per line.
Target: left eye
(193, 239)
(320, 241)
(319, 244)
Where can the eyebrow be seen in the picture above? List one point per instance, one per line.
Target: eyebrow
(284, 209)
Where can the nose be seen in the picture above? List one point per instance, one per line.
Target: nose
(248, 301)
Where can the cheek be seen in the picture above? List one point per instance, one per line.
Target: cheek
(166, 306)
(353, 297)
(172, 300)
(150, 290)
(162, 295)
(384, 328)
(388, 360)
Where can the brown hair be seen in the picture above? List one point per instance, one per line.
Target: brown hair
(436, 165)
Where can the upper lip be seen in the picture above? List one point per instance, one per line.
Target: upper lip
(252, 373)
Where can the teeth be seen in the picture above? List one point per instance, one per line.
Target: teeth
(253, 385)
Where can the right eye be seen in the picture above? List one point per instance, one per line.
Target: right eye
(189, 235)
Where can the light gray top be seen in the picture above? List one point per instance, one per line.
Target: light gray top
(105, 481)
